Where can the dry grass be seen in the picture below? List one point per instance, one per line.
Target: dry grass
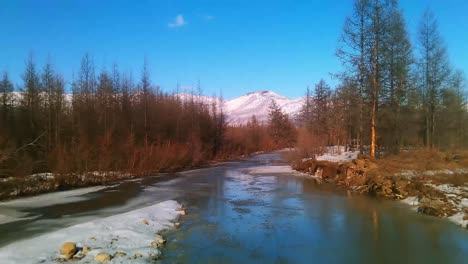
(423, 160)
(426, 160)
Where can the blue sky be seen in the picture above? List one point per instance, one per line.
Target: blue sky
(231, 46)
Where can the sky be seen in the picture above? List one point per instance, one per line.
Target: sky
(231, 47)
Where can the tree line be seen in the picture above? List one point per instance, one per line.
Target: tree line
(393, 94)
(108, 121)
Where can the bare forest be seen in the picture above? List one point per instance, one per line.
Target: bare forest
(393, 94)
(111, 121)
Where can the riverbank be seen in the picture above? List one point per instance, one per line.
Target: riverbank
(41, 183)
(434, 183)
(128, 237)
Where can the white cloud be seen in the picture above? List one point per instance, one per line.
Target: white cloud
(178, 22)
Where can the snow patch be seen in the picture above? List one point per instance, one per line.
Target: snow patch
(446, 188)
(130, 232)
(413, 201)
(343, 157)
(458, 219)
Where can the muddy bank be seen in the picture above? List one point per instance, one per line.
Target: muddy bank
(440, 193)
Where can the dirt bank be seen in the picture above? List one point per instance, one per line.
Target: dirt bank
(441, 191)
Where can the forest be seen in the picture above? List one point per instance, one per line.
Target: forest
(108, 122)
(393, 94)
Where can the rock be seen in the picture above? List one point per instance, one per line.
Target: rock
(177, 225)
(154, 244)
(159, 239)
(85, 250)
(68, 249)
(182, 212)
(137, 255)
(102, 257)
(145, 222)
(119, 254)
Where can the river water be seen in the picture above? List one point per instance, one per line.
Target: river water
(255, 211)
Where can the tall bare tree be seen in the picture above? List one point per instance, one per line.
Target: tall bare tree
(433, 70)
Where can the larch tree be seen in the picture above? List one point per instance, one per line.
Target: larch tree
(353, 52)
(433, 70)
(281, 128)
(397, 62)
(6, 101)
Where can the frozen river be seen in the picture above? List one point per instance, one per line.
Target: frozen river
(252, 211)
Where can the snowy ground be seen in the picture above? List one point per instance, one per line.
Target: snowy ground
(337, 154)
(343, 157)
(455, 194)
(129, 233)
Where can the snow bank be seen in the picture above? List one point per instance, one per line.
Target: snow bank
(456, 196)
(130, 233)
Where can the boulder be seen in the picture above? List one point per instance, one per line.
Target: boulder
(177, 225)
(145, 222)
(137, 255)
(68, 249)
(182, 212)
(102, 257)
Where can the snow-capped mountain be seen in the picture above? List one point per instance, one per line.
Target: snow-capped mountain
(239, 110)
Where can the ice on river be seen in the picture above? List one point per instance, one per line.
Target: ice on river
(130, 233)
(53, 198)
(10, 211)
(270, 170)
